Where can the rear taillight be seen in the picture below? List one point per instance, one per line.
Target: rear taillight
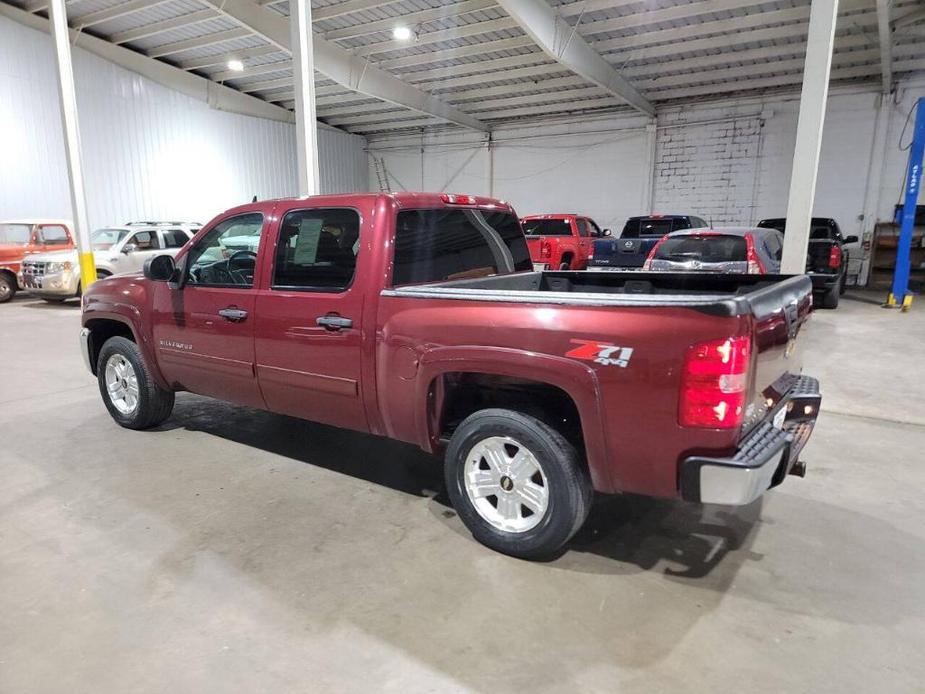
(755, 266)
(647, 265)
(714, 383)
(545, 249)
(835, 257)
(591, 252)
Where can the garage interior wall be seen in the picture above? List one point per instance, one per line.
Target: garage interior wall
(728, 161)
(149, 152)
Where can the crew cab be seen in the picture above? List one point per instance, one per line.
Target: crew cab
(638, 238)
(21, 238)
(55, 276)
(722, 249)
(826, 258)
(561, 241)
(418, 317)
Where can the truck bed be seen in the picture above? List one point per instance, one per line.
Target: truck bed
(717, 294)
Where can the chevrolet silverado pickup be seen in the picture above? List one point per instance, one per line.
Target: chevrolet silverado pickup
(419, 317)
(561, 241)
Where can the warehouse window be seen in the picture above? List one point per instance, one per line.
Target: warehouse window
(446, 244)
(317, 250)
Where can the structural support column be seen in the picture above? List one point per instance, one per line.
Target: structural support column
(303, 69)
(648, 190)
(822, 16)
(59, 32)
(874, 180)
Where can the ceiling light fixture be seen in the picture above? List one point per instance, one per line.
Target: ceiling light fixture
(402, 33)
(235, 66)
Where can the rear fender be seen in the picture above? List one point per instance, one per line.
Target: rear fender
(578, 381)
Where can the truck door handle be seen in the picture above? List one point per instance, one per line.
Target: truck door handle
(235, 315)
(334, 322)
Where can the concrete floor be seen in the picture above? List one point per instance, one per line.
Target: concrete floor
(238, 551)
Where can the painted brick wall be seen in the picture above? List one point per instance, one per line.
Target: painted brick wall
(708, 169)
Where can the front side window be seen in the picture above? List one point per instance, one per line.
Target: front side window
(226, 256)
(582, 228)
(448, 244)
(143, 241)
(15, 234)
(54, 235)
(317, 250)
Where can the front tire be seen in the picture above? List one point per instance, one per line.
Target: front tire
(132, 397)
(517, 484)
(831, 297)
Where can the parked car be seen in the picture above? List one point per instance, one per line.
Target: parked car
(55, 276)
(560, 241)
(423, 321)
(826, 259)
(21, 238)
(637, 239)
(726, 249)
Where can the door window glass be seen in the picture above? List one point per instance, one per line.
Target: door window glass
(317, 250)
(582, 228)
(175, 238)
(53, 235)
(226, 256)
(144, 241)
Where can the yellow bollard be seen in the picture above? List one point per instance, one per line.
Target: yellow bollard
(87, 270)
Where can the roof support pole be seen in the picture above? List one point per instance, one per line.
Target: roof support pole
(303, 69)
(68, 97)
(874, 179)
(813, 97)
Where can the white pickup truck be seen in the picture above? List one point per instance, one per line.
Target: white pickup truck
(55, 276)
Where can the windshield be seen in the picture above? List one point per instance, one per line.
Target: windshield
(547, 227)
(649, 227)
(706, 249)
(15, 234)
(104, 239)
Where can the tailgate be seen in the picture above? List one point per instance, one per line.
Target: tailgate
(817, 256)
(779, 315)
(628, 253)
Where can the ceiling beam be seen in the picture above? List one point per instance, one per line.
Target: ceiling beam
(197, 42)
(342, 66)
(885, 33)
(910, 18)
(223, 58)
(155, 28)
(216, 95)
(348, 7)
(409, 20)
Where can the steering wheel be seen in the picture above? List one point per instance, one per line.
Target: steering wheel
(238, 272)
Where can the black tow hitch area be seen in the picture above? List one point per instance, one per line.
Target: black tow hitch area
(798, 468)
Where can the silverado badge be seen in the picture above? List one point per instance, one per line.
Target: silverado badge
(603, 353)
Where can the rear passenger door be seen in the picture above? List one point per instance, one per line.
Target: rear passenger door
(309, 331)
(136, 249)
(584, 243)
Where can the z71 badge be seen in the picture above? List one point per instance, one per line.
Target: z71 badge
(603, 353)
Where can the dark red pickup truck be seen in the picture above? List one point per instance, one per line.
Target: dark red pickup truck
(419, 317)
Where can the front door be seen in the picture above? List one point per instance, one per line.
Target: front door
(204, 331)
(309, 332)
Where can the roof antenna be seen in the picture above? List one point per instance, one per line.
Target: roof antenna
(711, 221)
(254, 199)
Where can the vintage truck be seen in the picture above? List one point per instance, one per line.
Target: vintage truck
(418, 317)
(22, 238)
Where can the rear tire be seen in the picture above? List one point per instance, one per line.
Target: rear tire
(517, 484)
(55, 299)
(830, 298)
(132, 397)
(7, 287)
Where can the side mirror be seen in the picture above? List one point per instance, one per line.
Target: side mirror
(160, 268)
(129, 248)
(851, 239)
(607, 232)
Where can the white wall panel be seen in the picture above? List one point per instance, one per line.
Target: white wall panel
(149, 152)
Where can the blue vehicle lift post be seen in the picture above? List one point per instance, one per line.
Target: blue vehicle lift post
(900, 296)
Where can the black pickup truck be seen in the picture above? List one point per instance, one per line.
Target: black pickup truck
(826, 260)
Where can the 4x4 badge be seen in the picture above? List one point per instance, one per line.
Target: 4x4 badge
(603, 353)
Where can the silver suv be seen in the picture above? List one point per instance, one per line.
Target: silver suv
(55, 276)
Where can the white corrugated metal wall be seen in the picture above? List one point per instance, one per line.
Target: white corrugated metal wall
(149, 152)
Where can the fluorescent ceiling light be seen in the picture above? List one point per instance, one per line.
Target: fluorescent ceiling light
(235, 65)
(402, 33)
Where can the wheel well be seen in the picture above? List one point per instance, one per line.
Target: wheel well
(461, 394)
(101, 329)
(567, 257)
(12, 275)
(100, 272)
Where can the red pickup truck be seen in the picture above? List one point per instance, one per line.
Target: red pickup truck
(20, 238)
(561, 241)
(419, 317)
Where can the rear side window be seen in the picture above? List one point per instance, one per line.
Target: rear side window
(547, 227)
(175, 238)
(317, 250)
(646, 227)
(54, 234)
(582, 228)
(144, 241)
(446, 244)
(706, 249)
